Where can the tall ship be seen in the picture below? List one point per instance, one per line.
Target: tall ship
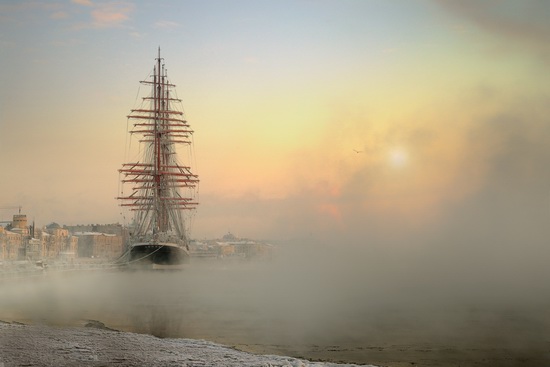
(159, 186)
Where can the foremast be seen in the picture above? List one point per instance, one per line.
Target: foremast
(162, 188)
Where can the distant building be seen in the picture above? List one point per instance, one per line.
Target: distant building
(113, 228)
(100, 240)
(99, 245)
(13, 238)
(52, 242)
(19, 241)
(10, 245)
(231, 247)
(229, 237)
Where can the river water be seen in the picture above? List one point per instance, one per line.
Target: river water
(288, 309)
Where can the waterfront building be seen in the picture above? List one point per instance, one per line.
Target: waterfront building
(99, 245)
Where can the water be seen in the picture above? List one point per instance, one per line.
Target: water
(307, 307)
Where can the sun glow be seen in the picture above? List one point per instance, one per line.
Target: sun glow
(398, 157)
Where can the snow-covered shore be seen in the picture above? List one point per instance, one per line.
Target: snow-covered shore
(38, 345)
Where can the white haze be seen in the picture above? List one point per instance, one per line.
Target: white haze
(309, 296)
(478, 274)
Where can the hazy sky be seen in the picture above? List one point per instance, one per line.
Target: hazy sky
(447, 102)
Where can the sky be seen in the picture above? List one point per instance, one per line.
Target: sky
(383, 124)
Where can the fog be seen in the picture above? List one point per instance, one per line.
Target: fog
(463, 267)
(308, 296)
(474, 282)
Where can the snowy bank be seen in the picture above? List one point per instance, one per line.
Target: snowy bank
(37, 345)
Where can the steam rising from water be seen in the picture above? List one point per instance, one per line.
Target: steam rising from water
(304, 296)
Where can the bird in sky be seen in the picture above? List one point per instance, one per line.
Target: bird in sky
(358, 151)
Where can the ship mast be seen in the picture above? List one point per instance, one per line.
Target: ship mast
(157, 90)
(158, 178)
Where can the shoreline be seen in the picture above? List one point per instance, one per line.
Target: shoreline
(97, 345)
(379, 354)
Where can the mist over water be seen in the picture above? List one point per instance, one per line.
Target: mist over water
(322, 296)
(474, 281)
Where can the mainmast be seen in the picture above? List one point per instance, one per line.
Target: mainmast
(157, 90)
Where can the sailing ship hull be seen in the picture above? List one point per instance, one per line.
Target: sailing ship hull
(149, 255)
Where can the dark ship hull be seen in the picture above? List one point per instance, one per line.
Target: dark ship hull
(157, 256)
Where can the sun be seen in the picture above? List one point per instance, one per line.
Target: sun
(398, 157)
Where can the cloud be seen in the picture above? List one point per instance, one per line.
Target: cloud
(110, 14)
(136, 35)
(24, 12)
(521, 22)
(105, 14)
(476, 172)
(470, 227)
